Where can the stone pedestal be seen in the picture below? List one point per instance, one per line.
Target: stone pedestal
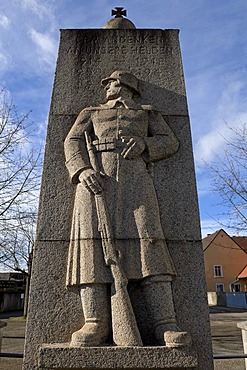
(85, 57)
(63, 357)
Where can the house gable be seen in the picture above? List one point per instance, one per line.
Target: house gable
(224, 259)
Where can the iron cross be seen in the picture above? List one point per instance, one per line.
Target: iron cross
(119, 12)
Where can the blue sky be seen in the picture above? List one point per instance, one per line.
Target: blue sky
(214, 49)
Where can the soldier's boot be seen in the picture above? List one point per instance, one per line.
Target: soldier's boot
(159, 300)
(96, 309)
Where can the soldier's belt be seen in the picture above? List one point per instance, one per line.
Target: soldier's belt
(107, 144)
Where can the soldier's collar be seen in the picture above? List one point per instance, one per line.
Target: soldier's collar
(127, 103)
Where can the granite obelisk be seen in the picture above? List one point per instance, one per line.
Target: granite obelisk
(148, 69)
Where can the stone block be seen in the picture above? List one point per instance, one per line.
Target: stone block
(175, 185)
(63, 357)
(189, 292)
(85, 57)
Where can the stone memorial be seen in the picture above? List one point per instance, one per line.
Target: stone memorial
(118, 275)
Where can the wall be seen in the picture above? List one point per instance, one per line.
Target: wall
(217, 299)
(227, 299)
(11, 301)
(243, 284)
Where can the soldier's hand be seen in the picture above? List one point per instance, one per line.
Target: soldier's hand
(91, 180)
(134, 147)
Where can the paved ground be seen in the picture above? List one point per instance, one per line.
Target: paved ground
(226, 337)
(13, 339)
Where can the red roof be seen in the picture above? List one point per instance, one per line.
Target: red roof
(208, 239)
(243, 273)
(241, 241)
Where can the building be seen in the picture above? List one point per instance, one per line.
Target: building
(242, 242)
(242, 278)
(12, 289)
(225, 260)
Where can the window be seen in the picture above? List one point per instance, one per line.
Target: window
(219, 288)
(218, 271)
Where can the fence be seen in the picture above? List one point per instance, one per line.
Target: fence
(238, 300)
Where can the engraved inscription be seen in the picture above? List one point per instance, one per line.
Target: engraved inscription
(150, 52)
(150, 44)
(131, 39)
(110, 49)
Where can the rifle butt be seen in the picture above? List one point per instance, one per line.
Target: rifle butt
(124, 326)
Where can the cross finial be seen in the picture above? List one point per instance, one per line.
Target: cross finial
(119, 12)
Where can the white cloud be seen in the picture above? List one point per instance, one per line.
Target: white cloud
(204, 187)
(40, 133)
(209, 226)
(46, 47)
(231, 108)
(40, 9)
(213, 143)
(4, 62)
(43, 14)
(4, 21)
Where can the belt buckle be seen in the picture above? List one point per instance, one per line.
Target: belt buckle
(111, 143)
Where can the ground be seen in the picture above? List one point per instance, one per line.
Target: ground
(226, 337)
(13, 339)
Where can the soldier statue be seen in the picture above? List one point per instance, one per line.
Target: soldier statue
(126, 138)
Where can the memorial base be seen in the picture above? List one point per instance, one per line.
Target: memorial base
(61, 356)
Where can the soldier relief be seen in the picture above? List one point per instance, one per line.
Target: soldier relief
(116, 235)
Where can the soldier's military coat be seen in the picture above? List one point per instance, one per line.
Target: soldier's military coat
(128, 190)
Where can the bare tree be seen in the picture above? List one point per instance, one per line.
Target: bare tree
(229, 178)
(19, 184)
(17, 241)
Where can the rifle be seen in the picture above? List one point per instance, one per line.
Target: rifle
(124, 326)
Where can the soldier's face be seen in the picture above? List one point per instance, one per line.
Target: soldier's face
(112, 89)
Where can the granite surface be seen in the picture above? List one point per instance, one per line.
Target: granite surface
(85, 57)
(63, 357)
